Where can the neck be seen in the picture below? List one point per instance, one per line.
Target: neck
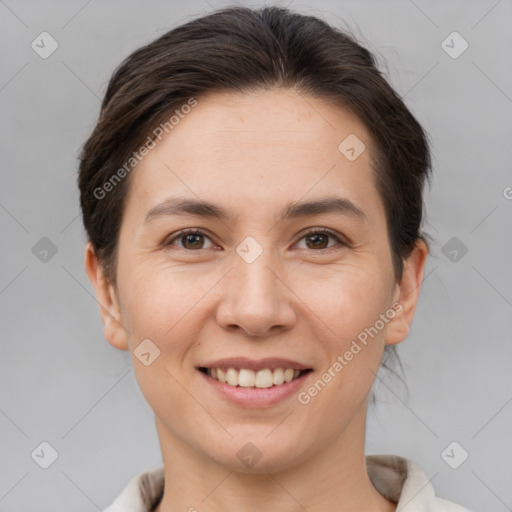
(332, 479)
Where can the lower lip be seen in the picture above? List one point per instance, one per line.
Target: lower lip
(256, 397)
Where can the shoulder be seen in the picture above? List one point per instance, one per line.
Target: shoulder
(449, 506)
(141, 492)
(401, 480)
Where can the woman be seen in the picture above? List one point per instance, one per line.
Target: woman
(252, 195)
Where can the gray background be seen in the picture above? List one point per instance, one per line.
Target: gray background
(62, 383)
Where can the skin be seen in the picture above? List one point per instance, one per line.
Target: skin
(255, 153)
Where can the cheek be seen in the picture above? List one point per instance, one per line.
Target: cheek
(344, 300)
(347, 310)
(163, 304)
(171, 304)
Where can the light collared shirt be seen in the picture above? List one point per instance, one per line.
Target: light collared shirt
(400, 480)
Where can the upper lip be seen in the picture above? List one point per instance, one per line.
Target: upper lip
(255, 364)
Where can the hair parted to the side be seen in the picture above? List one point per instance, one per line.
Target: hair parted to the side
(240, 49)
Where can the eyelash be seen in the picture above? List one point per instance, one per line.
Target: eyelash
(341, 241)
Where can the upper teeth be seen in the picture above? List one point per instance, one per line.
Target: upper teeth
(249, 378)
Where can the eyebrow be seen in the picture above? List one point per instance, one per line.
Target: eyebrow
(199, 208)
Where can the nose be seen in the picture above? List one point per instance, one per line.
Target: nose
(255, 298)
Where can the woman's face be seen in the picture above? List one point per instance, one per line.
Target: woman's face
(253, 285)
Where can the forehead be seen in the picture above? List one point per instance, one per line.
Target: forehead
(284, 118)
(256, 147)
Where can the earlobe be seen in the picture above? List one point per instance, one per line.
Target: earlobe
(106, 295)
(407, 294)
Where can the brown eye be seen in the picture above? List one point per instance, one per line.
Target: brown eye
(193, 241)
(319, 239)
(190, 239)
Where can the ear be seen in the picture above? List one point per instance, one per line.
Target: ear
(407, 293)
(107, 298)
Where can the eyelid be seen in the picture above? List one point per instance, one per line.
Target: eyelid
(187, 231)
(340, 239)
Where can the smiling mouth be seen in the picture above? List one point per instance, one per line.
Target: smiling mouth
(247, 378)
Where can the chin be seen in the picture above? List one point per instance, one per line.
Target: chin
(260, 456)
